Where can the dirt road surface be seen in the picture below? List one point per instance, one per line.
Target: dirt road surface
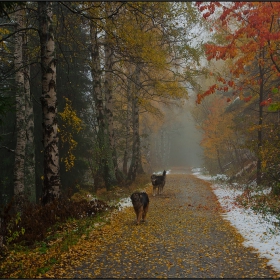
(184, 236)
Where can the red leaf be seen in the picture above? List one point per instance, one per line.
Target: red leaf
(266, 102)
(247, 99)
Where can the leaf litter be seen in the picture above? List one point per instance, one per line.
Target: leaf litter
(184, 236)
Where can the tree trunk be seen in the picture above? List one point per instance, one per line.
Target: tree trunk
(127, 126)
(140, 169)
(135, 124)
(20, 113)
(219, 161)
(30, 186)
(111, 159)
(96, 74)
(105, 169)
(51, 185)
(261, 95)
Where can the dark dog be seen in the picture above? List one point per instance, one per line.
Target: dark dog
(158, 182)
(140, 201)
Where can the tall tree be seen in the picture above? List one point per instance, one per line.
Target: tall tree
(112, 166)
(51, 182)
(127, 122)
(103, 109)
(135, 157)
(30, 186)
(248, 47)
(20, 111)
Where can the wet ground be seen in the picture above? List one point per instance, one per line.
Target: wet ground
(185, 236)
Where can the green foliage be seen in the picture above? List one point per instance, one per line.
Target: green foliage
(274, 107)
(276, 188)
(14, 231)
(43, 270)
(43, 249)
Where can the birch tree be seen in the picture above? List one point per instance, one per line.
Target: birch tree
(96, 73)
(51, 182)
(109, 106)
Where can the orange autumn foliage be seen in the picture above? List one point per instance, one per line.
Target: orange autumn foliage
(250, 27)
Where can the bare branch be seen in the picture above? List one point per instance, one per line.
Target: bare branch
(10, 150)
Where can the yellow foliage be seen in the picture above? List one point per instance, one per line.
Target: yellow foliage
(217, 128)
(3, 45)
(71, 124)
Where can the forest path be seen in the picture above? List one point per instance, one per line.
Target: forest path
(184, 236)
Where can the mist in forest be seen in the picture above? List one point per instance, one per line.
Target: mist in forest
(179, 139)
(184, 148)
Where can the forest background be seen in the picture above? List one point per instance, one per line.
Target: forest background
(94, 94)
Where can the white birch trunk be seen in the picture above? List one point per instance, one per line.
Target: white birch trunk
(97, 97)
(111, 160)
(51, 185)
(106, 166)
(96, 74)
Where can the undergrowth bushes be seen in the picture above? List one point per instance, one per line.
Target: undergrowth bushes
(264, 203)
(35, 220)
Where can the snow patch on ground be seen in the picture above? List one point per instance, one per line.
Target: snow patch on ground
(124, 202)
(160, 172)
(259, 232)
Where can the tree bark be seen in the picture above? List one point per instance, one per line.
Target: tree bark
(20, 113)
(219, 161)
(111, 160)
(135, 124)
(30, 185)
(127, 126)
(51, 183)
(140, 169)
(96, 74)
(261, 96)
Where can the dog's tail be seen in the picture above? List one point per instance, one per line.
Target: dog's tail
(164, 173)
